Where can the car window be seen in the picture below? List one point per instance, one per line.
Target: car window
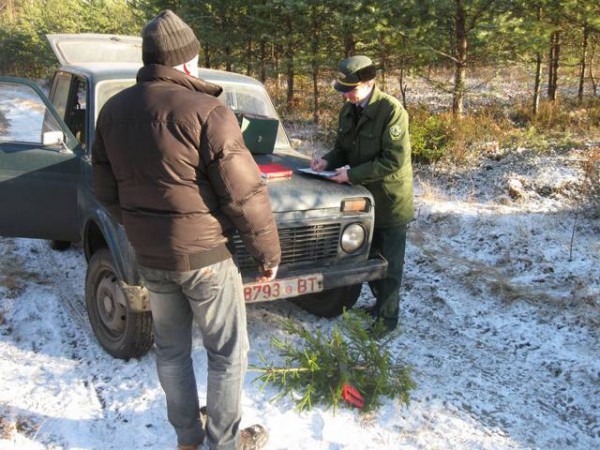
(60, 92)
(106, 89)
(23, 115)
(69, 96)
(244, 100)
(75, 115)
(255, 101)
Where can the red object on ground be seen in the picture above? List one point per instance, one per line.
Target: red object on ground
(352, 396)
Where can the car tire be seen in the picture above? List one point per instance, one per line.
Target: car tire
(124, 334)
(60, 246)
(330, 303)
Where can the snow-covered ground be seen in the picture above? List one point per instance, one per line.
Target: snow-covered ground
(500, 320)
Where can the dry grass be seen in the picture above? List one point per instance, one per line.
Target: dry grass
(7, 429)
(429, 191)
(12, 426)
(591, 168)
(13, 274)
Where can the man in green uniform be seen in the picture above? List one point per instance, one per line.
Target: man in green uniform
(373, 149)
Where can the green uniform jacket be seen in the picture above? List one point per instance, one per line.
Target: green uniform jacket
(377, 149)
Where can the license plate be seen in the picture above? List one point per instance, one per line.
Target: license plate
(283, 288)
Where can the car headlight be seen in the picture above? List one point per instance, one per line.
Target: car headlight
(353, 238)
(353, 205)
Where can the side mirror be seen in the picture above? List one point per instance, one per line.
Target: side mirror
(53, 139)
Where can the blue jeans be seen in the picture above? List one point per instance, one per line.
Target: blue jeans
(213, 296)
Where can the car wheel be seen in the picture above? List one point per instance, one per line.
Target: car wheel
(60, 245)
(122, 333)
(330, 303)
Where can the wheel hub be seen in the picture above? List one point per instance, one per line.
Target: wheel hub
(110, 303)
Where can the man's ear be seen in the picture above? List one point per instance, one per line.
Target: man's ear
(190, 67)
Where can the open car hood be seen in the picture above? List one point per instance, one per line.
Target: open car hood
(73, 49)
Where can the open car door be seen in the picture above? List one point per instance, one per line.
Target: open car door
(39, 166)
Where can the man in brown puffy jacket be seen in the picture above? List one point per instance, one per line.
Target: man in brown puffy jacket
(171, 165)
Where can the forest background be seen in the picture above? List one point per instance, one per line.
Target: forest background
(455, 47)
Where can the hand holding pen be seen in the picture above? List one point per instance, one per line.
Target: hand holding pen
(317, 163)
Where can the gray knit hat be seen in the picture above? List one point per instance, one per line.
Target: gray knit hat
(168, 40)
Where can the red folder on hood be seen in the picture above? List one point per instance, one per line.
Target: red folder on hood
(273, 171)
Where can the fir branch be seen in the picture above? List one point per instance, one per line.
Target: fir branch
(317, 367)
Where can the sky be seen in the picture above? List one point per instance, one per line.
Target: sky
(500, 324)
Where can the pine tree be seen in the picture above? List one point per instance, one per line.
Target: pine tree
(351, 366)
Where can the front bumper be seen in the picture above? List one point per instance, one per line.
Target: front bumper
(338, 275)
(334, 276)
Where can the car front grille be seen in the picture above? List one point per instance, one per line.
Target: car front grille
(304, 244)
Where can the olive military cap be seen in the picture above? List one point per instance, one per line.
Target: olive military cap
(352, 71)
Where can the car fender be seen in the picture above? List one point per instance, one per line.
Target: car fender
(102, 231)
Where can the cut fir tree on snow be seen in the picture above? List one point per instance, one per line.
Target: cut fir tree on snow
(350, 366)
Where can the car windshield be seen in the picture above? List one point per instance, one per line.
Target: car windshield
(241, 98)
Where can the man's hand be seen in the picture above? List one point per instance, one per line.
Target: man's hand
(341, 175)
(317, 164)
(266, 274)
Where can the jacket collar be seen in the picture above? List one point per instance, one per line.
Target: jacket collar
(375, 97)
(368, 112)
(157, 72)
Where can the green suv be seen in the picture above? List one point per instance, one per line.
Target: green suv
(46, 192)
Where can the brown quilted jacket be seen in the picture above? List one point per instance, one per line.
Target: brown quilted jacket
(170, 164)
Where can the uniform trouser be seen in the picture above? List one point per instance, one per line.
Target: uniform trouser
(213, 296)
(390, 242)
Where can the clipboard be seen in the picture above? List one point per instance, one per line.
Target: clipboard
(322, 173)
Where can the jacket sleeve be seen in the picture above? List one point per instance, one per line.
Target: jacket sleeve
(237, 182)
(105, 184)
(395, 150)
